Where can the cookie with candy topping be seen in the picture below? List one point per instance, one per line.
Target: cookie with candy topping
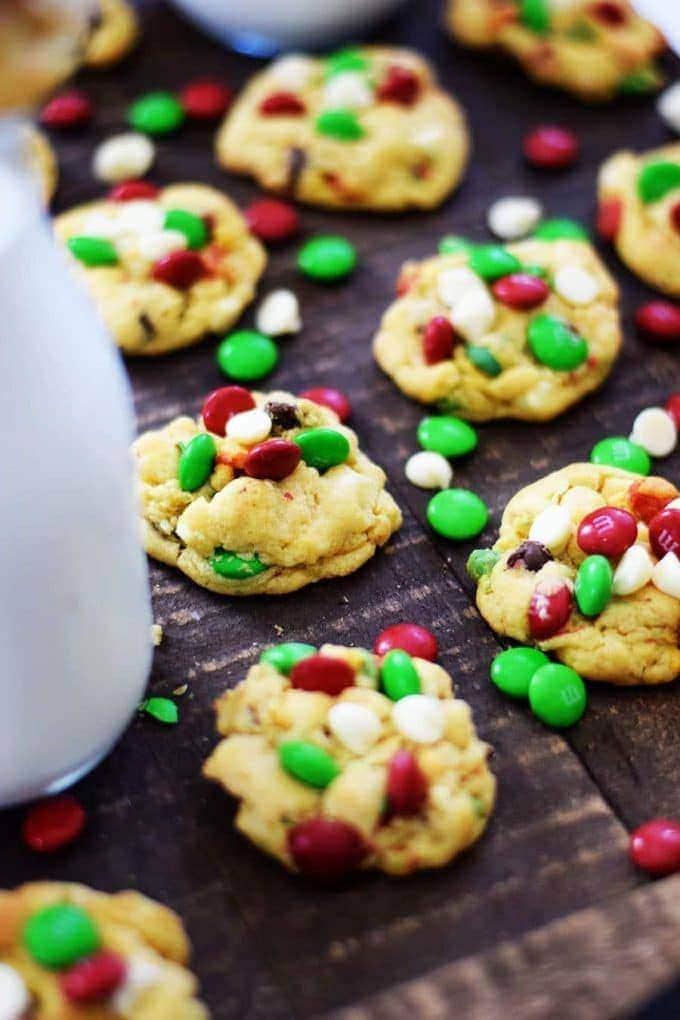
(284, 499)
(596, 49)
(164, 269)
(586, 567)
(342, 760)
(363, 128)
(114, 31)
(521, 331)
(67, 951)
(639, 212)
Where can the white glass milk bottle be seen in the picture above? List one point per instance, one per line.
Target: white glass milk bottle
(75, 643)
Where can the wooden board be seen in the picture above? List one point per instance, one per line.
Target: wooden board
(463, 939)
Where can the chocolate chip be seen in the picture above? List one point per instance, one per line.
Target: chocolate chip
(283, 416)
(147, 325)
(297, 161)
(530, 555)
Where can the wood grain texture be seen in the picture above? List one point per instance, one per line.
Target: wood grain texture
(268, 945)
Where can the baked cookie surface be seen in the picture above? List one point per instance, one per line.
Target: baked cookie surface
(484, 336)
(42, 973)
(167, 270)
(42, 161)
(321, 755)
(535, 586)
(639, 199)
(365, 128)
(596, 50)
(265, 519)
(114, 32)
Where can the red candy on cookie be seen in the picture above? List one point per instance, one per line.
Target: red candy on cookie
(609, 218)
(521, 291)
(282, 104)
(326, 849)
(329, 397)
(406, 784)
(439, 339)
(131, 191)
(401, 85)
(94, 978)
(274, 459)
(609, 531)
(222, 404)
(550, 608)
(180, 269)
(322, 673)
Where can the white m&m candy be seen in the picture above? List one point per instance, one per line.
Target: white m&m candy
(576, 285)
(279, 314)
(428, 470)
(249, 427)
(123, 157)
(666, 575)
(668, 106)
(552, 528)
(14, 995)
(355, 726)
(655, 431)
(420, 718)
(634, 571)
(347, 91)
(513, 217)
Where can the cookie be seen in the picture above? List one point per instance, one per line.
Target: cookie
(585, 560)
(42, 161)
(332, 773)
(364, 128)
(286, 498)
(594, 50)
(639, 212)
(67, 951)
(114, 32)
(164, 270)
(522, 331)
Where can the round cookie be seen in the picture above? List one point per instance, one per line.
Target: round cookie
(536, 585)
(365, 128)
(263, 522)
(145, 314)
(42, 161)
(594, 50)
(405, 781)
(460, 333)
(639, 196)
(49, 931)
(114, 32)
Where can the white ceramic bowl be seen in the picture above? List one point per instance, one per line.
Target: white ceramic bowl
(261, 27)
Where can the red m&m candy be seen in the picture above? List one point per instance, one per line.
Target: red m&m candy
(322, 673)
(71, 109)
(130, 191)
(551, 147)
(272, 220)
(609, 13)
(664, 532)
(274, 459)
(521, 291)
(327, 396)
(609, 531)
(401, 85)
(609, 218)
(53, 824)
(659, 320)
(406, 784)
(326, 848)
(220, 405)
(411, 638)
(94, 979)
(655, 846)
(205, 99)
(549, 609)
(439, 340)
(672, 405)
(282, 104)
(675, 217)
(180, 269)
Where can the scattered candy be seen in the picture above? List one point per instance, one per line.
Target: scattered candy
(521, 291)
(235, 567)
(659, 320)
(327, 258)
(555, 344)
(326, 396)
(355, 726)
(452, 437)
(205, 99)
(15, 997)
(326, 849)
(196, 462)
(123, 157)
(247, 355)
(668, 106)
(655, 431)
(249, 427)
(594, 582)
(655, 847)
(457, 513)
(163, 710)
(576, 285)
(560, 228)
(550, 608)
(180, 269)
(70, 109)
(673, 407)
(406, 784)
(420, 718)
(481, 562)
(191, 226)
(551, 147)
(323, 448)
(609, 213)
(400, 85)
(222, 404)
(410, 638)
(633, 572)
(308, 763)
(349, 90)
(93, 251)
(273, 460)
(452, 245)
(156, 113)
(530, 555)
(272, 220)
(514, 217)
(94, 979)
(340, 124)
(491, 261)
(285, 656)
(398, 675)
(552, 528)
(664, 532)
(53, 824)
(282, 104)
(483, 360)
(279, 313)
(133, 191)
(619, 452)
(439, 340)
(60, 935)
(607, 531)
(322, 673)
(557, 695)
(428, 470)
(657, 179)
(512, 670)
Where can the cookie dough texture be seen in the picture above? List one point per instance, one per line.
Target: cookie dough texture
(409, 156)
(114, 33)
(147, 317)
(264, 710)
(525, 388)
(647, 239)
(635, 639)
(146, 934)
(42, 161)
(307, 527)
(581, 52)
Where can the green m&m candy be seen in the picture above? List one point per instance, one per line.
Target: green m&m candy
(323, 448)
(447, 435)
(560, 228)
(593, 588)
(196, 462)
(193, 227)
(308, 763)
(93, 251)
(657, 179)
(341, 124)
(349, 58)
(491, 261)
(247, 355)
(398, 675)
(535, 14)
(285, 657)
(483, 359)
(156, 113)
(164, 710)
(557, 695)
(555, 344)
(326, 258)
(481, 562)
(457, 513)
(452, 245)
(640, 82)
(58, 936)
(619, 452)
(235, 567)
(512, 670)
